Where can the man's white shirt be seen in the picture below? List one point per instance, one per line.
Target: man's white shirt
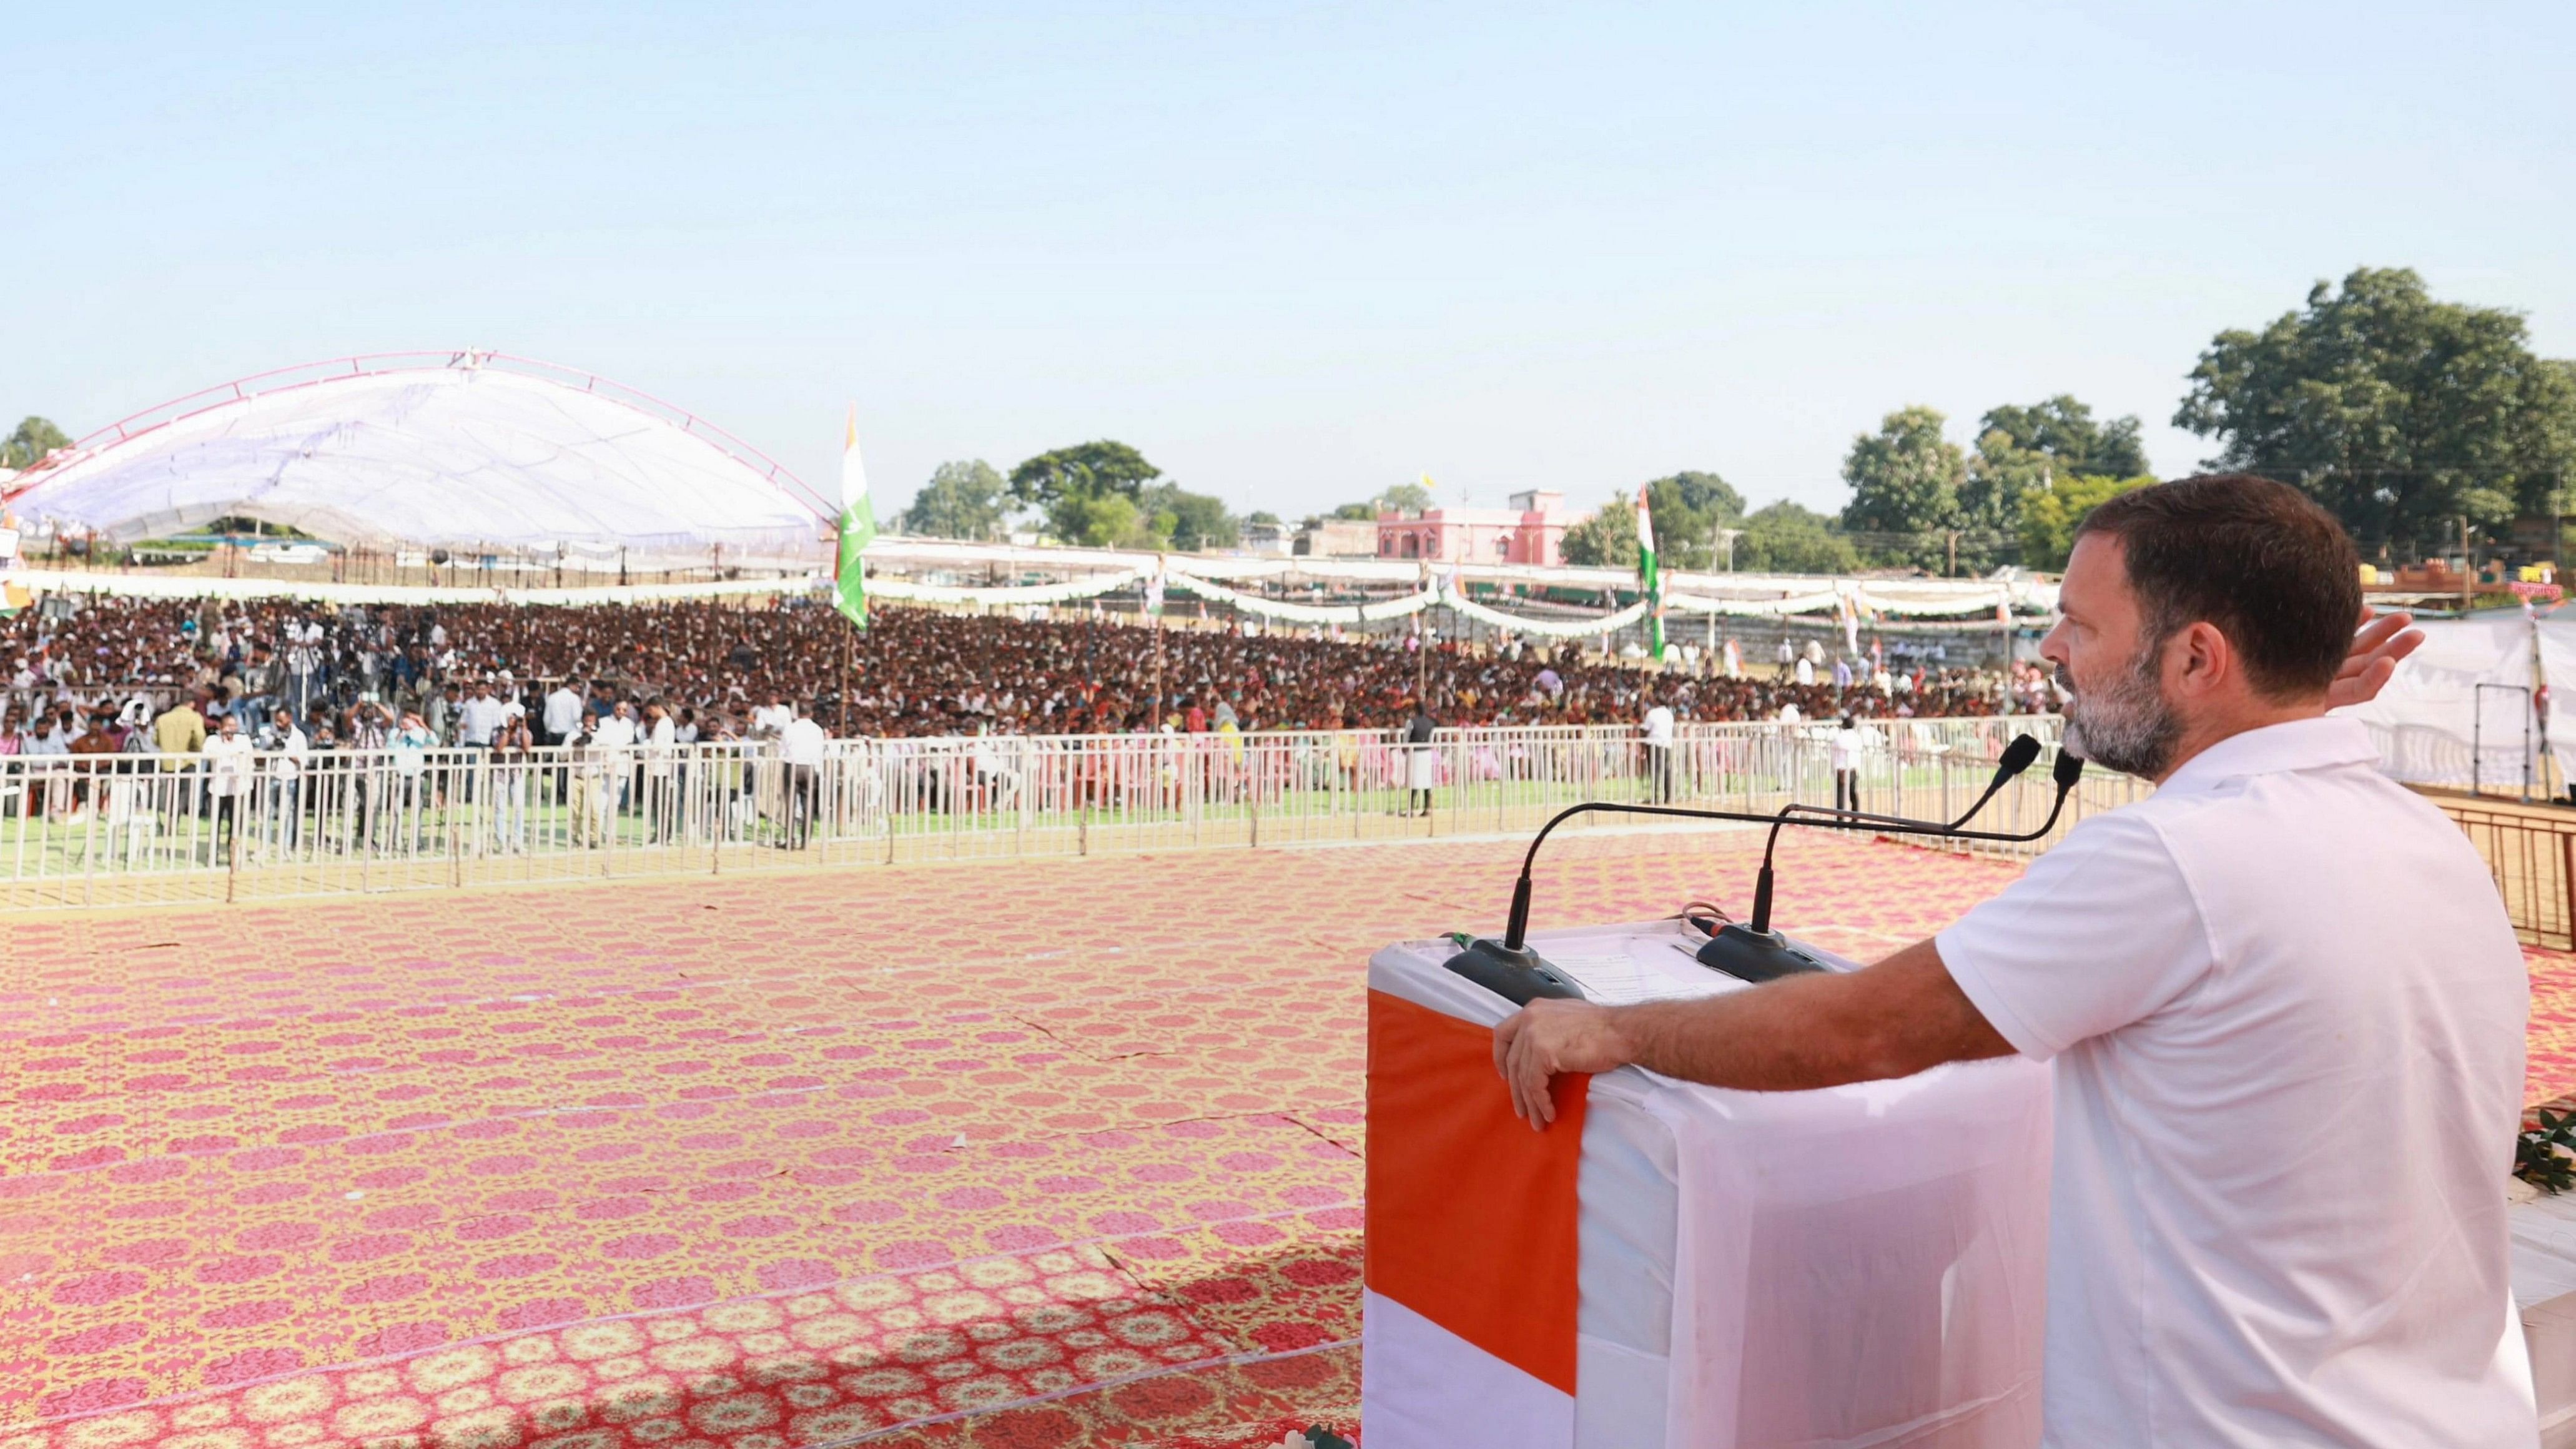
(228, 762)
(292, 749)
(2287, 1011)
(480, 719)
(803, 743)
(563, 712)
(1846, 745)
(1658, 725)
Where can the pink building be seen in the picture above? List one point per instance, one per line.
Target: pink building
(1527, 532)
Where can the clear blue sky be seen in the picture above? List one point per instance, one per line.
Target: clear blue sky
(1293, 252)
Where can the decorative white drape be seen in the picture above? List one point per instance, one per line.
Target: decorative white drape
(1004, 596)
(1547, 628)
(1283, 610)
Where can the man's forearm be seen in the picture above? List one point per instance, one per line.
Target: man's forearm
(1789, 1035)
(1821, 1030)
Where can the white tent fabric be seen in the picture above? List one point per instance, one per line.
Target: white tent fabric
(200, 586)
(470, 457)
(2436, 725)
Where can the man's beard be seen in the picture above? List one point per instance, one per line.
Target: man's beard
(2125, 724)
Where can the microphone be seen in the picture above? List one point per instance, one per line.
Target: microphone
(1511, 970)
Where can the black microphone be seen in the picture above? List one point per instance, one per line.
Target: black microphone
(1511, 970)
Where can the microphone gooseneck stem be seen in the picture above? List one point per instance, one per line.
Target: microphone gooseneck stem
(2067, 771)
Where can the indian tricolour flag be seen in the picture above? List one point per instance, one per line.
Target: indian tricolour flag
(1647, 574)
(858, 525)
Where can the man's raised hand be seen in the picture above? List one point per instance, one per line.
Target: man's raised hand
(2372, 661)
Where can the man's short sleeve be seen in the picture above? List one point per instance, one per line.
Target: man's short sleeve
(2103, 930)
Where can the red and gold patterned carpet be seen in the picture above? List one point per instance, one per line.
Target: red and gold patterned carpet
(1036, 1154)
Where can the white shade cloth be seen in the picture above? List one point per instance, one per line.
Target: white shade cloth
(471, 458)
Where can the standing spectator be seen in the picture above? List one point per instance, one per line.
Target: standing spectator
(1422, 760)
(303, 659)
(1658, 730)
(228, 771)
(364, 735)
(661, 802)
(286, 779)
(410, 744)
(181, 731)
(511, 750)
(563, 713)
(802, 747)
(479, 718)
(590, 764)
(1846, 745)
(89, 786)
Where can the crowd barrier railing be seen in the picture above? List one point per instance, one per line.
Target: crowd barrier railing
(131, 829)
(2531, 855)
(140, 829)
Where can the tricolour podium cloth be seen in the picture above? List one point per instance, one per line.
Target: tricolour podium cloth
(1681, 1267)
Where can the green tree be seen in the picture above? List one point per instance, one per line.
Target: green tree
(1689, 508)
(1905, 488)
(961, 500)
(1192, 522)
(1604, 538)
(2021, 453)
(2048, 521)
(2400, 413)
(1404, 498)
(1784, 538)
(1105, 520)
(2064, 430)
(1060, 484)
(28, 446)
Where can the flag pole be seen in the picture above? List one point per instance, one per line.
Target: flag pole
(858, 524)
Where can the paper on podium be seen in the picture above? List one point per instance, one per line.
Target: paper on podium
(1630, 964)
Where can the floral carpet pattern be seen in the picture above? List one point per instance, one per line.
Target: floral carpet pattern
(1033, 1154)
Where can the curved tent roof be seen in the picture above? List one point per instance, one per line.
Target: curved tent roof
(471, 452)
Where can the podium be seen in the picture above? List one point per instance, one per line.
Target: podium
(1671, 1266)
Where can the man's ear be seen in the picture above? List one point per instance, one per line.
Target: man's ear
(2198, 659)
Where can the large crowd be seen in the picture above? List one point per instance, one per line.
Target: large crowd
(461, 672)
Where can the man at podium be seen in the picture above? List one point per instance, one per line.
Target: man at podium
(2284, 1005)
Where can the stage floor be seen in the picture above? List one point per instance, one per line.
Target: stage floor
(1032, 1154)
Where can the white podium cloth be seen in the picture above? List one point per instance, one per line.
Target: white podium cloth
(1859, 1266)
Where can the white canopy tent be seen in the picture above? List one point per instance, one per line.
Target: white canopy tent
(473, 453)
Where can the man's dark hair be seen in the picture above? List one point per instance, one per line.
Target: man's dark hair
(2257, 558)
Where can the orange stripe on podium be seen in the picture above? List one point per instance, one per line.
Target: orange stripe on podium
(1471, 1215)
